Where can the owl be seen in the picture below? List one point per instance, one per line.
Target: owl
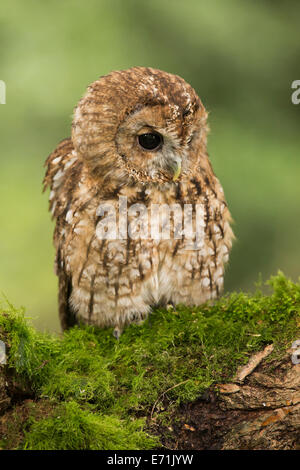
(141, 218)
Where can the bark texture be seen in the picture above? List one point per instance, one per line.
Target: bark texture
(258, 410)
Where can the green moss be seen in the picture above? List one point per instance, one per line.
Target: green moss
(98, 382)
(71, 427)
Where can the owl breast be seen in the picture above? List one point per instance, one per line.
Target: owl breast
(124, 263)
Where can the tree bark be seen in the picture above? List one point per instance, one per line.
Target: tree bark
(258, 410)
(4, 397)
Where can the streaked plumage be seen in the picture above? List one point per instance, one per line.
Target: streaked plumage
(115, 282)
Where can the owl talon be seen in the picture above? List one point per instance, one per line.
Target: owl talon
(170, 307)
(117, 333)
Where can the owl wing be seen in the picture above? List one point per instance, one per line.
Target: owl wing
(66, 313)
(62, 171)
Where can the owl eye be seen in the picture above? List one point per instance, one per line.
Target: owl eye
(150, 141)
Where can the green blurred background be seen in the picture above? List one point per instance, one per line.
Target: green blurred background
(241, 57)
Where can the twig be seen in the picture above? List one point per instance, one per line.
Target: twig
(166, 391)
(252, 364)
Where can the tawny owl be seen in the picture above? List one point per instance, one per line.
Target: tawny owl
(141, 219)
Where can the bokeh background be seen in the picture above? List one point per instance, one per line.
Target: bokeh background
(240, 56)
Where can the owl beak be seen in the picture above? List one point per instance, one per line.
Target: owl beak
(176, 167)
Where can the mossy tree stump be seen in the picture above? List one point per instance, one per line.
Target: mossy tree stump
(214, 377)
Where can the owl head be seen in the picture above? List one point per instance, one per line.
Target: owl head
(140, 124)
